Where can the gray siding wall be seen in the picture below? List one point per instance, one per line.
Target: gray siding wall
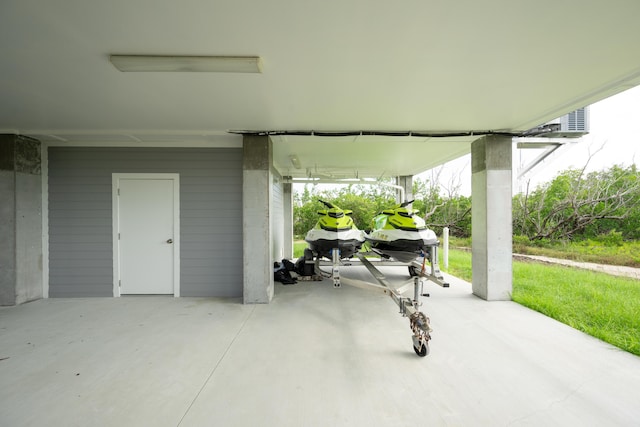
(80, 223)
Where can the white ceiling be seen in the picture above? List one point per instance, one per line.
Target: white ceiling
(415, 65)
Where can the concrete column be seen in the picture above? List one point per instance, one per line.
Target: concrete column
(257, 154)
(406, 182)
(491, 217)
(20, 220)
(288, 219)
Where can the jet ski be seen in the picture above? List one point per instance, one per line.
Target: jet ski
(401, 234)
(334, 230)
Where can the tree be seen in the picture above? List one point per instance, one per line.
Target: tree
(442, 205)
(577, 203)
(364, 200)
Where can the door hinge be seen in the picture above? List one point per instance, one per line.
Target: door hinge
(119, 283)
(118, 236)
(118, 191)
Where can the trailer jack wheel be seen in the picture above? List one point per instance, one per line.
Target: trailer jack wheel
(420, 345)
(421, 329)
(422, 352)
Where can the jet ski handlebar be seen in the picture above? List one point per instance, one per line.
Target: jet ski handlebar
(327, 204)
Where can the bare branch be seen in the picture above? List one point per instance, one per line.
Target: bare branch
(427, 215)
(555, 211)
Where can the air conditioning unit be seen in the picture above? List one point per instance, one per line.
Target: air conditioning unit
(572, 125)
(575, 121)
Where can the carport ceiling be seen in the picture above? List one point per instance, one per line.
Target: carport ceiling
(421, 66)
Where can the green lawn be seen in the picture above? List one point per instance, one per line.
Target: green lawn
(601, 252)
(603, 306)
(298, 248)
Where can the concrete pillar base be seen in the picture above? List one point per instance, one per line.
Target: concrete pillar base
(406, 182)
(288, 219)
(491, 218)
(20, 220)
(256, 208)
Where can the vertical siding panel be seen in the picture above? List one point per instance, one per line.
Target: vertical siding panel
(80, 210)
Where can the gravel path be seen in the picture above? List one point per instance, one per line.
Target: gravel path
(615, 270)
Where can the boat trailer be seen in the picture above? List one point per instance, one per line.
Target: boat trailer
(409, 307)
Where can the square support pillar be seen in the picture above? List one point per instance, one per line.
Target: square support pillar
(288, 219)
(257, 155)
(491, 218)
(20, 220)
(406, 182)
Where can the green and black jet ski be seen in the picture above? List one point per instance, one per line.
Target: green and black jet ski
(335, 230)
(401, 234)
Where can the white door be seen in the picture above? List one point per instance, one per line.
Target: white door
(146, 225)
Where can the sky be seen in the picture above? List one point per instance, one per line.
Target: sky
(613, 122)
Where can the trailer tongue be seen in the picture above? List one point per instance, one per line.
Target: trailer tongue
(409, 307)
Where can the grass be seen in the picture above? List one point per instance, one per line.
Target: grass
(459, 264)
(627, 253)
(623, 253)
(298, 248)
(603, 306)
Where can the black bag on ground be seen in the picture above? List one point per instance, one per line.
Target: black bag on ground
(304, 265)
(288, 265)
(282, 275)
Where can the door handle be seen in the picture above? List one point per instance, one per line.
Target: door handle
(170, 241)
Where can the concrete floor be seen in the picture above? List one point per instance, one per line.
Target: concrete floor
(315, 356)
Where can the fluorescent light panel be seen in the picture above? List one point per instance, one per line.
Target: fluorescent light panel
(205, 64)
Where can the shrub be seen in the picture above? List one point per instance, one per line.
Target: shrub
(612, 238)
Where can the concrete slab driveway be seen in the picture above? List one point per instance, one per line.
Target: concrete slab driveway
(315, 356)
